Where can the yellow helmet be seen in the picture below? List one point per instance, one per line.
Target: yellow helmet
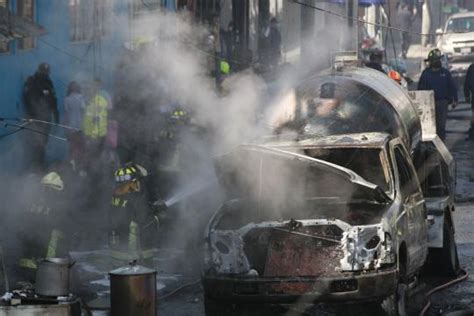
(130, 172)
(53, 181)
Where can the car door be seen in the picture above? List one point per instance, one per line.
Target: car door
(413, 204)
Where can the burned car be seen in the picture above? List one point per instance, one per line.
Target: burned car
(332, 208)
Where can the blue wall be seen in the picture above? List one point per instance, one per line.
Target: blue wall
(68, 60)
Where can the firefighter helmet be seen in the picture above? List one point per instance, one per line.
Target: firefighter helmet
(395, 75)
(435, 54)
(130, 172)
(53, 181)
(179, 115)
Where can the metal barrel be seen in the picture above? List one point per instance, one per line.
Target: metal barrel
(52, 277)
(133, 291)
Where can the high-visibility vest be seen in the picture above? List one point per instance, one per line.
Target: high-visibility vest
(95, 117)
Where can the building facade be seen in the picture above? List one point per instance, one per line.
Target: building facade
(82, 42)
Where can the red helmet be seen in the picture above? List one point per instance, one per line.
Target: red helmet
(395, 75)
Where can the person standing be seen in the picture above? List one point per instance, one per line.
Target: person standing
(133, 215)
(439, 79)
(375, 61)
(39, 99)
(469, 95)
(48, 210)
(95, 123)
(406, 20)
(74, 106)
(95, 114)
(274, 40)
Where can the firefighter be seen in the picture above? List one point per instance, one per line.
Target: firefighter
(43, 235)
(439, 79)
(133, 219)
(375, 61)
(177, 120)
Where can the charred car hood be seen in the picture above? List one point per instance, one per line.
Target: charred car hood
(250, 161)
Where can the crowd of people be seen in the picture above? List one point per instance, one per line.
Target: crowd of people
(111, 185)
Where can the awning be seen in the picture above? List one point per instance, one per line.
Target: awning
(13, 26)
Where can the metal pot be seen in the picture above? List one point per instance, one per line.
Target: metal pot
(133, 291)
(52, 277)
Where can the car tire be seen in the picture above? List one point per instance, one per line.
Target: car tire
(445, 261)
(395, 304)
(449, 263)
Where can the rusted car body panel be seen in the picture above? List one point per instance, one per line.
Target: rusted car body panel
(328, 207)
(351, 258)
(347, 288)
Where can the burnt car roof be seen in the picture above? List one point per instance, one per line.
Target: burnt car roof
(374, 140)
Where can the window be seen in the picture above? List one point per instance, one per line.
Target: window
(89, 19)
(366, 162)
(461, 25)
(4, 46)
(26, 9)
(143, 6)
(406, 175)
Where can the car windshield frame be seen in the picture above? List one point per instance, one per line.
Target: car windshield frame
(384, 164)
(457, 25)
(303, 111)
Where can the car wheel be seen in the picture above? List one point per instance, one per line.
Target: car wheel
(395, 305)
(445, 261)
(449, 253)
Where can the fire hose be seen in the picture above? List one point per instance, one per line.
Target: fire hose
(182, 287)
(461, 278)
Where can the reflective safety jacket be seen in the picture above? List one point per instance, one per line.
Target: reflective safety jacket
(53, 249)
(95, 117)
(119, 202)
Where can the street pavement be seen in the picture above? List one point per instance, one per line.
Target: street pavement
(462, 150)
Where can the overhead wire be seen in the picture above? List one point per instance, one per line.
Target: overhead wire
(29, 121)
(82, 59)
(5, 135)
(24, 127)
(343, 16)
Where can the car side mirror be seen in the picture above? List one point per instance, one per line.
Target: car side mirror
(439, 31)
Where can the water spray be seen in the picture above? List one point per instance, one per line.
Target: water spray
(186, 192)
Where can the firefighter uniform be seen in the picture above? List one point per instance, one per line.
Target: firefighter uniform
(132, 224)
(42, 236)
